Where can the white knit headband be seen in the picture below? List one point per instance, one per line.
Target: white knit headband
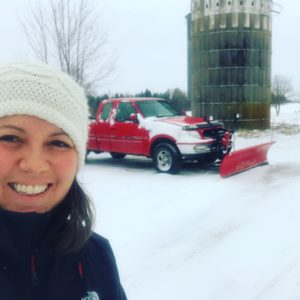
(44, 92)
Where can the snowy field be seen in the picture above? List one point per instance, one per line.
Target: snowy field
(196, 236)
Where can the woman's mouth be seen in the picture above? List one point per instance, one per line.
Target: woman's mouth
(30, 190)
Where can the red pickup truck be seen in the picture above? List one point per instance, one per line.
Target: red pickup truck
(153, 128)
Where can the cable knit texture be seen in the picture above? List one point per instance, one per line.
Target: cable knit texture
(42, 91)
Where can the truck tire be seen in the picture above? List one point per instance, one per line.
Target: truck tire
(166, 158)
(117, 155)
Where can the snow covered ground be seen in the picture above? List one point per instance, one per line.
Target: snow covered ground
(196, 236)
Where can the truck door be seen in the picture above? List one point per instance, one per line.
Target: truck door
(127, 135)
(103, 127)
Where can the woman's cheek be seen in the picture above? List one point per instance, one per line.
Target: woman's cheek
(6, 162)
(67, 165)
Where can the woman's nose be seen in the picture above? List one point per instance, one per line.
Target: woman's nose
(34, 160)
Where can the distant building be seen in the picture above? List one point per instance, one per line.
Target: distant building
(229, 60)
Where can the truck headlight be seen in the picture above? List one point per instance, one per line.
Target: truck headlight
(193, 133)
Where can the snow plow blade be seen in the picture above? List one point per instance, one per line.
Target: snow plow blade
(244, 159)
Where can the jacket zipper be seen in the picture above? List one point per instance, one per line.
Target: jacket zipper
(34, 276)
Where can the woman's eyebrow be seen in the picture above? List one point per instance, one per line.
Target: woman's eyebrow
(12, 127)
(58, 133)
(54, 134)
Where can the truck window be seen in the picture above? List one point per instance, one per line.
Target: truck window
(105, 111)
(124, 110)
(156, 108)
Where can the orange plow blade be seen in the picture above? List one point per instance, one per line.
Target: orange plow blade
(244, 159)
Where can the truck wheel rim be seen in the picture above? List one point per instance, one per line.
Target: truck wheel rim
(164, 160)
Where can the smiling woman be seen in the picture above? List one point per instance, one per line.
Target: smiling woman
(47, 246)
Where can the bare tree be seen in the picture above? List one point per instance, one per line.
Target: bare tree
(67, 33)
(282, 91)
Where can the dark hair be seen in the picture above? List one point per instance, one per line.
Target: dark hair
(78, 210)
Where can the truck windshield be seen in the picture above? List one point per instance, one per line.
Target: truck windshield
(156, 108)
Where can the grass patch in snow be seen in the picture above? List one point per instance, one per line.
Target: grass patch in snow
(283, 128)
(287, 129)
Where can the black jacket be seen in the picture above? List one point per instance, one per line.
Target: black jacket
(31, 269)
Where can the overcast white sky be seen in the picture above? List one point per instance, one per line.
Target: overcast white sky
(149, 39)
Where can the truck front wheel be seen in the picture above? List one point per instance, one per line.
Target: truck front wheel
(166, 158)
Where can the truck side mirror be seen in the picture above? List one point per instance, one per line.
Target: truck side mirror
(133, 117)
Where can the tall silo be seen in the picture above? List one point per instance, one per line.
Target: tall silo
(189, 55)
(231, 60)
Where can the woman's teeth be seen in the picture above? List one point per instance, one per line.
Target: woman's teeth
(29, 189)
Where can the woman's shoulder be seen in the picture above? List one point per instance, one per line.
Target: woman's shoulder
(97, 246)
(98, 240)
(99, 259)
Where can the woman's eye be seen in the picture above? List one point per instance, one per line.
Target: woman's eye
(60, 144)
(10, 139)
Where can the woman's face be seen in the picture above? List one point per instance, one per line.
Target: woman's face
(38, 164)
